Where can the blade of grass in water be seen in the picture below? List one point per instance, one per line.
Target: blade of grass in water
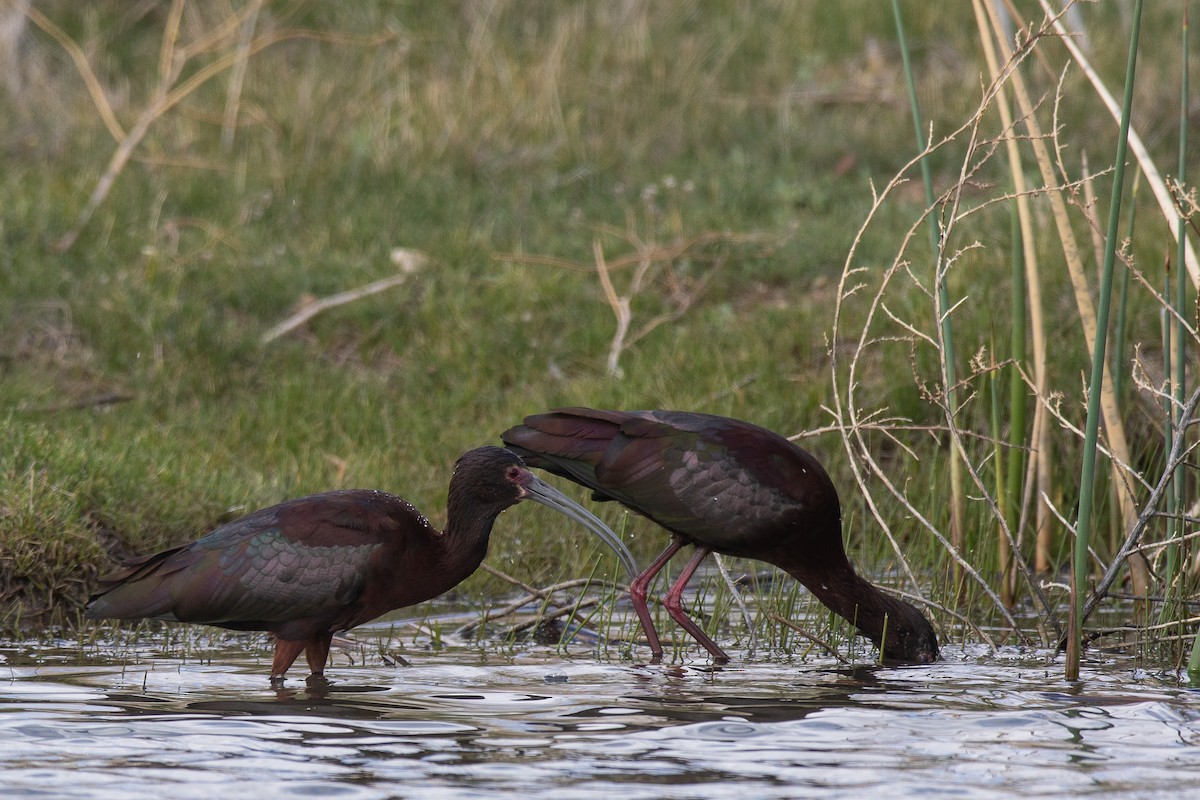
(1091, 431)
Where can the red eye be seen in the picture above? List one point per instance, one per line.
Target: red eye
(513, 473)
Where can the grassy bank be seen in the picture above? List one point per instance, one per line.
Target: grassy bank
(727, 154)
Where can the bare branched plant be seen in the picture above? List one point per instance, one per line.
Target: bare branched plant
(882, 309)
(652, 265)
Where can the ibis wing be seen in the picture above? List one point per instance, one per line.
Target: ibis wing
(695, 474)
(567, 442)
(687, 481)
(303, 560)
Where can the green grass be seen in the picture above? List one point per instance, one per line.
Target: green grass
(501, 141)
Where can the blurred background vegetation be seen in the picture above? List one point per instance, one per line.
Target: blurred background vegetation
(167, 199)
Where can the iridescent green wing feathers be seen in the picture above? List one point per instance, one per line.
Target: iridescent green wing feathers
(308, 558)
(694, 474)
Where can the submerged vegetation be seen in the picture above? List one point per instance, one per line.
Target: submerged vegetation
(256, 250)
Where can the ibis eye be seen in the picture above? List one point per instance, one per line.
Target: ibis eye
(513, 473)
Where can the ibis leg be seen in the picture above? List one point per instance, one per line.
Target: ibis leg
(286, 653)
(317, 652)
(639, 591)
(673, 602)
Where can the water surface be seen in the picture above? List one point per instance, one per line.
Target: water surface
(535, 722)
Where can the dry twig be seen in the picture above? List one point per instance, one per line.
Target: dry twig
(169, 90)
(410, 261)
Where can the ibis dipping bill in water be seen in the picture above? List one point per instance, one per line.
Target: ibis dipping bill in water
(723, 486)
(312, 567)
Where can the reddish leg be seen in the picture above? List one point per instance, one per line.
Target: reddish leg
(286, 653)
(317, 652)
(639, 589)
(673, 602)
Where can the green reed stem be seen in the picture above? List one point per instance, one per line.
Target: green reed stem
(1091, 431)
(1118, 377)
(993, 387)
(1016, 385)
(943, 300)
(1181, 343)
(1172, 495)
(1003, 552)
(1193, 667)
(1178, 489)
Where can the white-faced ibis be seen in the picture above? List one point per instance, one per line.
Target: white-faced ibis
(311, 567)
(723, 486)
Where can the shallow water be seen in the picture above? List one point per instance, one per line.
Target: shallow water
(537, 723)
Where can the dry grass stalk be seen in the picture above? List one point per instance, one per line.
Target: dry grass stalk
(1180, 451)
(1158, 186)
(237, 76)
(619, 306)
(1113, 425)
(646, 261)
(675, 250)
(847, 411)
(682, 299)
(409, 261)
(1039, 454)
(85, 70)
(1091, 212)
(881, 325)
(852, 421)
(825, 645)
(550, 611)
(1037, 465)
(531, 594)
(168, 91)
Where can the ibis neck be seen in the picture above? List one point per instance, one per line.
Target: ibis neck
(465, 540)
(851, 597)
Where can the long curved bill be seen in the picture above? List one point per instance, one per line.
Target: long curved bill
(541, 492)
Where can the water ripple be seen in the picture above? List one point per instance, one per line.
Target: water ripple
(539, 725)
